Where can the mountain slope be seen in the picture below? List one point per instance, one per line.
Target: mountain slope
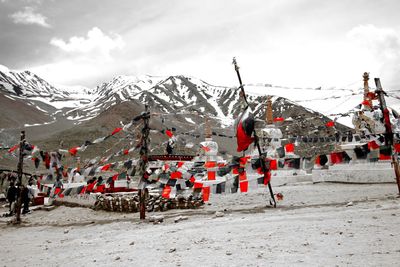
(179, 101)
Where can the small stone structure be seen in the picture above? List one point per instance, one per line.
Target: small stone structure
(154, 202)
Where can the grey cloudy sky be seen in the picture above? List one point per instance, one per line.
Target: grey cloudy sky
(285, 42)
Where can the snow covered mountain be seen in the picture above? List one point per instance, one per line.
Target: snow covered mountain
(183, 101)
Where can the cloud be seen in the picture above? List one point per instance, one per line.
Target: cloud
(382, 47)
(28, 16)
(383, 42)
(83, 59)
(97, 45)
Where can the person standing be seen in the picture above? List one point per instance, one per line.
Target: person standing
(12, 197)
(27, 196)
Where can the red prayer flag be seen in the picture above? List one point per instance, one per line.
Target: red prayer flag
(82, 190)
(176, 175)
(100, 188)
(397, 148)
(279, 119)
(116, 130)
(267, 177)
(206, 193)
(211, 175)
(289, 147)
(180, 164)
(169, 133)
(166, 191)
(197, 185)
(57, 191)
(244, 130)
(273, 165)
(385, 157)
(243, 183)
(367, 103)
(317, 160)
(336, 158)
(372, 145)
(210, 164)
(13, 148)
(89, 187)
(106, 167)
(73, 151)
(243, 161)
(330, 124)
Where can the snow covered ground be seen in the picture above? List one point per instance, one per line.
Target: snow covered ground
(315, 225)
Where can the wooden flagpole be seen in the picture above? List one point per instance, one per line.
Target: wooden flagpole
(256, 140)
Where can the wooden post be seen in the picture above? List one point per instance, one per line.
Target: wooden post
(366, 86)
(269, 116)
(142, 192)
(19, 182)
(388, 129)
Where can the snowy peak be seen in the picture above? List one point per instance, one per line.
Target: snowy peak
(27, 84)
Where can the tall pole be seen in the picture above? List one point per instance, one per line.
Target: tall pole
(256, 140)
(269, 116)
(366, 86)
(20, 171)
(388, 129)
(145, 116)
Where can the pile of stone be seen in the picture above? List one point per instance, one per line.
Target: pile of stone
(154, 202)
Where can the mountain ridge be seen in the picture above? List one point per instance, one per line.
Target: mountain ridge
(188, 99)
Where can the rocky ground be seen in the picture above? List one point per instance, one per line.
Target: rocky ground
(315, 225)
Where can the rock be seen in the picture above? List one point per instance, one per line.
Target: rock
(349, 221)
(48, 208)
(180, 218)
(156, 218)
(378, 206)
(219, 214)
(349, 204)
(117, 258)
(171, 250)
(132, 243)
(228, 253)
(66, 231)
(374, 217)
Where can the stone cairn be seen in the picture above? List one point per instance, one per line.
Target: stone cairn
(154, 202)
